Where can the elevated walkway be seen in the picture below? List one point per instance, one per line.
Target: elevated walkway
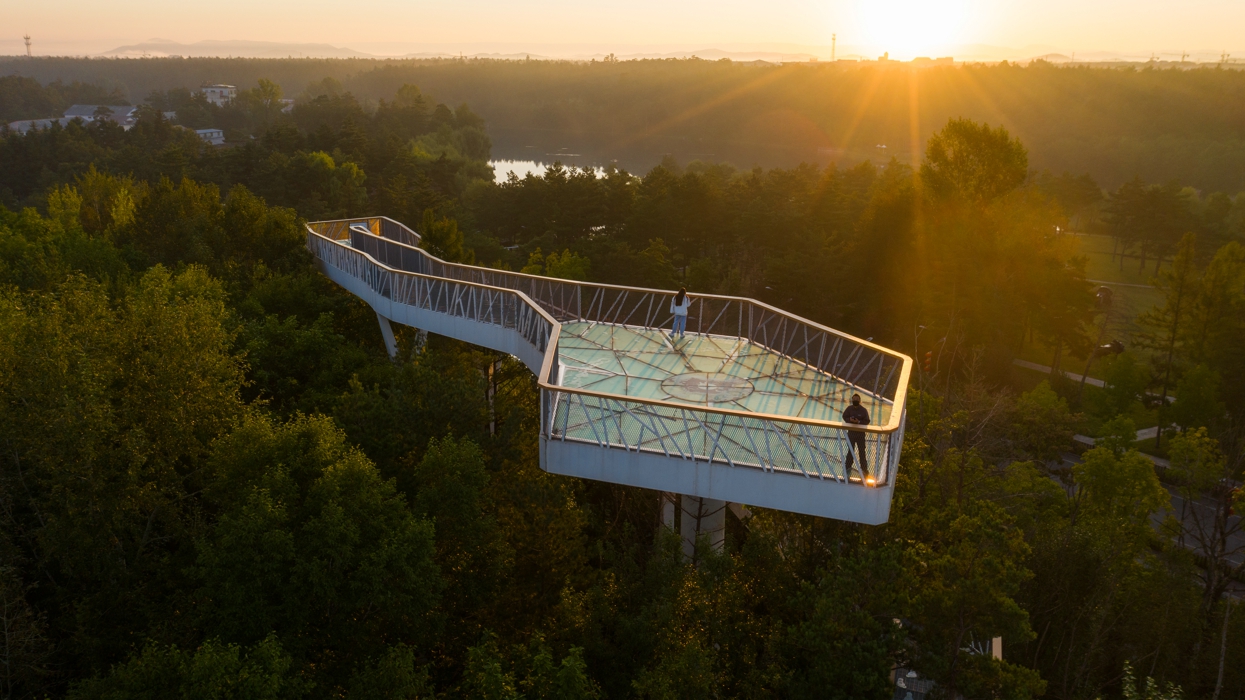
(746, 408)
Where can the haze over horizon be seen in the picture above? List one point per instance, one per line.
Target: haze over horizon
(562, 29)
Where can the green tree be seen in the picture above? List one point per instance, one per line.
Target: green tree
(485, 677)
(109, 415)
(1197, 403)
(981, 257)
(440, 236)
(181, 223)
(1150, 689)
(24, 645)
(843, 644)
(1118, 492)
(973, 161)
(38, 252)
(214, 671)
(1042, 426)
(450, 488)
(265, 99)
(320, 187)
(392, 676)
(1125, 381)
(1216, 328)
(1166, 325)
(1149, 219)
(257, 234)
(567, 265)
(312, 543)
(108, 202)
(971, 559)
(654, 267)
(528, 672)
(1205, 518)
(1220, 296)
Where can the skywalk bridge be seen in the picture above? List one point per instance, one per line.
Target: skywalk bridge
(745, 409)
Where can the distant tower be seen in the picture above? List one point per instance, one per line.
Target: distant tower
(27, 38)
(833, 39)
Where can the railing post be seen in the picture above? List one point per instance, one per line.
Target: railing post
(701, 517)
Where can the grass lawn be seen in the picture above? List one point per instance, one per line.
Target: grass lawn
(1147, 447)
(1127, 303)
(1100, 265)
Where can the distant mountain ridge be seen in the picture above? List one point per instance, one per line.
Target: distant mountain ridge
(769, 53)
(157, 48)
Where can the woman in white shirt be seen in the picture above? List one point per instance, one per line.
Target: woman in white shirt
(678, 306)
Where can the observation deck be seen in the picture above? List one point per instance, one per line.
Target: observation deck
(745, 408)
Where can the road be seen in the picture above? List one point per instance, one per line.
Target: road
(1203, 507)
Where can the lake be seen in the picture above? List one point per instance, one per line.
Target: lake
(523, 168)
(539, 152)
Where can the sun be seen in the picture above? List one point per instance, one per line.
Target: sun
(910, 28)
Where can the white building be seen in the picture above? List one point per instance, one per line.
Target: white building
(25, 125)
(219, 95)
(216, 137)
(125, 115)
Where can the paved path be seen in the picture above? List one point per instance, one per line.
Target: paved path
(1235, 548)
(1076, 377)
(1070, 375)
(1123, 284)
(1148, 433)
(1143, 434)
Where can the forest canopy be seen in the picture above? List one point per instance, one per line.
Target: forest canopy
(213, 476)
(1114, 123)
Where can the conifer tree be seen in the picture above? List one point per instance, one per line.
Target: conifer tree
(1165, 324)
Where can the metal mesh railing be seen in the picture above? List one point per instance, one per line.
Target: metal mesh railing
(384, 254)
(479, 303)
(737, 439)
(863, 366)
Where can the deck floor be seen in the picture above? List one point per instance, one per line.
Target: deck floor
(718, 371)
(700, 370)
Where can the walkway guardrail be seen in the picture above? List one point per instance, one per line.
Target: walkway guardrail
(384, 254)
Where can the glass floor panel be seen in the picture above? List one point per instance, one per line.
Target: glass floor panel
(698, 370)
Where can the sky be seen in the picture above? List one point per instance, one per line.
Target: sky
(904, 28)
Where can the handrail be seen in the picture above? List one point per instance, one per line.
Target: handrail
(555, 326)
(341, 229)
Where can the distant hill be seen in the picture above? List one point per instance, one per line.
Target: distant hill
(1159, 124)
(1053, 58)
(157, 48)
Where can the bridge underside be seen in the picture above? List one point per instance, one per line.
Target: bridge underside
(796, 493)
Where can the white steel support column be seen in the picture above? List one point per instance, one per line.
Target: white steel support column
(668, 505)
(386, 330)
(492, 395)
(702, 516)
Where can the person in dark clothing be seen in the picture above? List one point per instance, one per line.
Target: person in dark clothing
(856, 415)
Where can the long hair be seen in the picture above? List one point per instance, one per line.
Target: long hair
(678, 298)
